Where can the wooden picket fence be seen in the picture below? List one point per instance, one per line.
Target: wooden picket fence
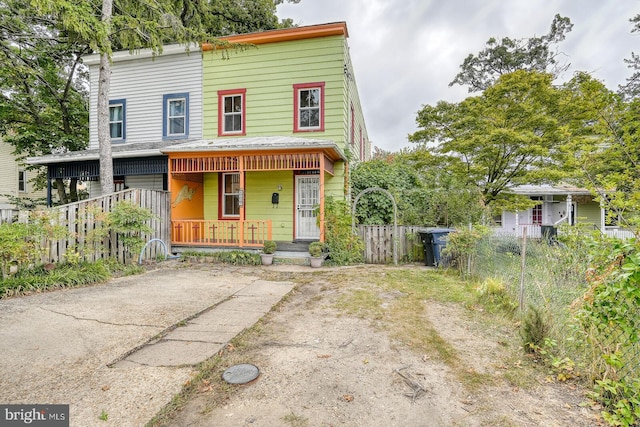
(378, 242)
(82, 220)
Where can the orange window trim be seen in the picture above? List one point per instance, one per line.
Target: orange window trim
(296, 106)
(230, 92)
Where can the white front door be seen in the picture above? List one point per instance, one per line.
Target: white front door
(307, 199)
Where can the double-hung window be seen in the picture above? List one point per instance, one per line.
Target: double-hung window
(230, 195)
(232, 112)
(175, 111)
(117, 120)
(22, 181)
(308, 107)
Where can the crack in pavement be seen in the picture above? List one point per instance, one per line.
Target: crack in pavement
(100, 321)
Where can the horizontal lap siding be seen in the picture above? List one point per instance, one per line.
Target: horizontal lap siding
(260, 186)
(268, 73)
(142, 83)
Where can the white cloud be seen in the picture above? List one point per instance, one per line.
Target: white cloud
(405, 52)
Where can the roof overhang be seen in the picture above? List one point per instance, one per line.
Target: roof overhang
(259, 143)
(285, 34)
(549, 190)
(147, 149)
(130, 55)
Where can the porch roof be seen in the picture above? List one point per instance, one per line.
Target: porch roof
(550, 190)
(260, 143)
(135, 149)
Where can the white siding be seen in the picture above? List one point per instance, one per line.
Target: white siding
(143, 82)
(9, 178)
(149, 182)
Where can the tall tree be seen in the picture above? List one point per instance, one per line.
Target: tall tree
(510, 135)
(506, 55)
(632, 88)
(43, 98)
(106, 25)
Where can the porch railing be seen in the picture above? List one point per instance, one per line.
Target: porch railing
(220, 233)
(534, 231)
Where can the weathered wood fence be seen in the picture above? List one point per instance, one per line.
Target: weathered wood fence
(378, 242)
(82, 221)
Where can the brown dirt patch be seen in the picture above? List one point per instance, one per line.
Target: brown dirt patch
(320, 367)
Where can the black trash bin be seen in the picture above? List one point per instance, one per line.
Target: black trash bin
(549, 233)
(427, 243)
(434, 240)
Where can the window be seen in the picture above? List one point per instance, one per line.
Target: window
(536, 212)
(231, 112)
(117, 119)
(308, 105)
(230, 195)
(175, 110)
(22, 181)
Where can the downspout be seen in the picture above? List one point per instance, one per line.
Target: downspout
(322, 166)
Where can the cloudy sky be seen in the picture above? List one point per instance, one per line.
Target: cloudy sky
(405, 52)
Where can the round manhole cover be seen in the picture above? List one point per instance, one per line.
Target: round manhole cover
(241, 374)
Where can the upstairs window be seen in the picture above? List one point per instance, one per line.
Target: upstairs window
(117, 119)
(175, 111)
(231, 112)
(230, 195)
(308, 104)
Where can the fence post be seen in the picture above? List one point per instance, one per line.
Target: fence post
(523, 265)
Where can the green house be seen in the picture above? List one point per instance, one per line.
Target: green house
(282, 122)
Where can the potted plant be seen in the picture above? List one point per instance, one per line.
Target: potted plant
(267, 252)
(316, 250)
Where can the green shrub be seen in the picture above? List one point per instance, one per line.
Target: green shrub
(535, 329)
(344, 246)
(269, 247)
(227, 257)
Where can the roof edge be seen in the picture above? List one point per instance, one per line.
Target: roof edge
(285, 34)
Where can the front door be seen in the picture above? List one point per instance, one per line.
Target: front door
(307, 199)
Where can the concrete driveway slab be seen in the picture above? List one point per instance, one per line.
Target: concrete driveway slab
(57, 347)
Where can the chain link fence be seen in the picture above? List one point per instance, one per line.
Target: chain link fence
(552, 278)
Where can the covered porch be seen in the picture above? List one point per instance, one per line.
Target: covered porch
(241, 192)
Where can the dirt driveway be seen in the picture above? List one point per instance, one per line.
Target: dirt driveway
(322, 366)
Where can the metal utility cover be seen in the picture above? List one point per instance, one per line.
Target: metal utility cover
(241, 374)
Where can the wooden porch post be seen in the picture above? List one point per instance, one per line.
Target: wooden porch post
(322, 197)
(570, 220)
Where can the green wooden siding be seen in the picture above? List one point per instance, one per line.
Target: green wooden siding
(210, 196)
(588, 213)
(259, 188)
(268, 73)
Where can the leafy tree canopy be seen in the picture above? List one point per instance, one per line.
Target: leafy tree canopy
(507, 55)
(509, 135)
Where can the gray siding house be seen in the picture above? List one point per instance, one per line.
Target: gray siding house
(154, 101)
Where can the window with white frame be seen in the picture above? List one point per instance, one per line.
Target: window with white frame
(230, 194)
(231, 117)
(22, 181)
(176, 115)
(117, 119)
(536, 211)
(308, 107)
